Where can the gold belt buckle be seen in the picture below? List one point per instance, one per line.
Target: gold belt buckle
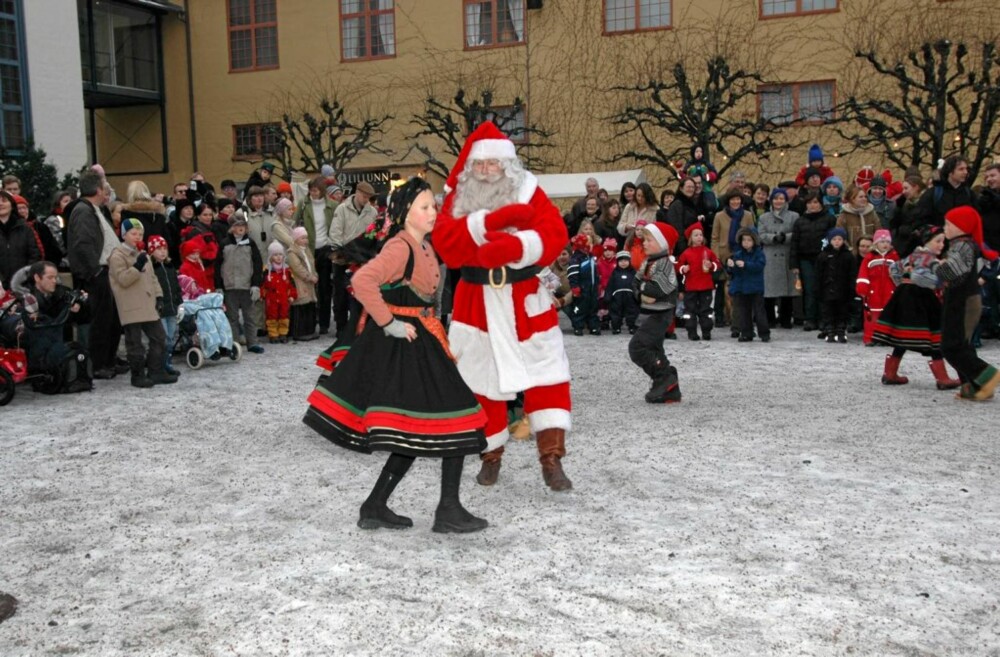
(503, 278)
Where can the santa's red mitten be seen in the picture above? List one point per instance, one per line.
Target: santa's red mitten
(516, 215)
(500, 249)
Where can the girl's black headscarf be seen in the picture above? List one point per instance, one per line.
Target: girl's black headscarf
(402, 199)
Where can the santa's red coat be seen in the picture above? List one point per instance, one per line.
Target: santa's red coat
(507, 339)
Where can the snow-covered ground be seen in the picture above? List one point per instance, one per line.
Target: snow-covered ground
(791, 505)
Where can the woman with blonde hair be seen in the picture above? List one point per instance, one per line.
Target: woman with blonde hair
(141, 205)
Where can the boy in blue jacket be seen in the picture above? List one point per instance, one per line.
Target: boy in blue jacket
(746, 270)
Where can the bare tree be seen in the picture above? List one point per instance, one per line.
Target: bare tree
(703, 91)
(449, 123)
(310, 124)
(926, 88)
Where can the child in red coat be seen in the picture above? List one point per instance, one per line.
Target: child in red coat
(193, 266)
(696, 264)
(874, 284)
(278, 292)
(606, 264)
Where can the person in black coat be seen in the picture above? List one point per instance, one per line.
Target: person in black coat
(685, 211)
(18, 247)
(950, 191)
(259, 178)
(807, 242)
(47, 307)
(836, 272)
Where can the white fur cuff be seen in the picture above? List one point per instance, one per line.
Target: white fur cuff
(476, 222)
(531, 242)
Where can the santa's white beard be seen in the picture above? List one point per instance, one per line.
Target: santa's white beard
(472, 194)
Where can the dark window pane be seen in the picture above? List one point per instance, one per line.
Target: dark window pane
(239, 48)
(270, 140)
(267, 46)
(8, 39)
(13, 128)
(265, 11)
(10, 83)
(239, 12)
(245, 137)
(7, 6)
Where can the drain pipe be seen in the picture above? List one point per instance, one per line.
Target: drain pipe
(190, 86)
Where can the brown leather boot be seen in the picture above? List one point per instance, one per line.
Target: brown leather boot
(490, 469)
(551, 449)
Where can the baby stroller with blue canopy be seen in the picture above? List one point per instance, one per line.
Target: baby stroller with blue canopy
(203, 332)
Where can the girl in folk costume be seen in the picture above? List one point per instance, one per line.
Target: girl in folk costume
(875, 283)
(911, 319)
(278, 292)
(303, 312)
(398, 389)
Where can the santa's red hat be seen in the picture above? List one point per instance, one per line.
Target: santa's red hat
(663, 233)
(966, 219)
(487, 142)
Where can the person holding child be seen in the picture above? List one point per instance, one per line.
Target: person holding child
(139, 297)
(398, 388)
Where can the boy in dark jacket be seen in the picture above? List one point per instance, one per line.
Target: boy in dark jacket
(622, 304)
(655, 286)
(242, 273)
(746, 285)
(166, 275)
(835, 276)
(583, 280)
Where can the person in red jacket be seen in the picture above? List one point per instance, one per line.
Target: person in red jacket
(278, 292)
(606, 264)
(696, 265)
(499, 227)
(874, 284)
(193, 267)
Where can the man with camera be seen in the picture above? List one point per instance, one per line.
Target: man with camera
(47, 308)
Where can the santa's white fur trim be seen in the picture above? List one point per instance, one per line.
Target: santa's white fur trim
(531, 242)
(492, 149)
(550, 418)
(538, 361)
(528, 187)
(476, 222)
(497, 440)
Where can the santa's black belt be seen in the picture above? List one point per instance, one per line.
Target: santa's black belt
(498, 276)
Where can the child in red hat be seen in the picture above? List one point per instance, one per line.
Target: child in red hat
(697, 264)
(964, 229)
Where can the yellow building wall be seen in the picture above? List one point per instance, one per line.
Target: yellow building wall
(562, 72)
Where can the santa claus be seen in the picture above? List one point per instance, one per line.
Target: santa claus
(501, 229)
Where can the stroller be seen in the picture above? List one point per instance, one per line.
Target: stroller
(203, 332)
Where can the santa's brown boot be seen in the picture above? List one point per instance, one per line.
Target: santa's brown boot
(490, 469)
(551, 449)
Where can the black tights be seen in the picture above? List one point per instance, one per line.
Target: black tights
(934, 354)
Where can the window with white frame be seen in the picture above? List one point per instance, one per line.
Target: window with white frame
(493, 22)
(809, 102)
(367, 29)
(634, 15)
